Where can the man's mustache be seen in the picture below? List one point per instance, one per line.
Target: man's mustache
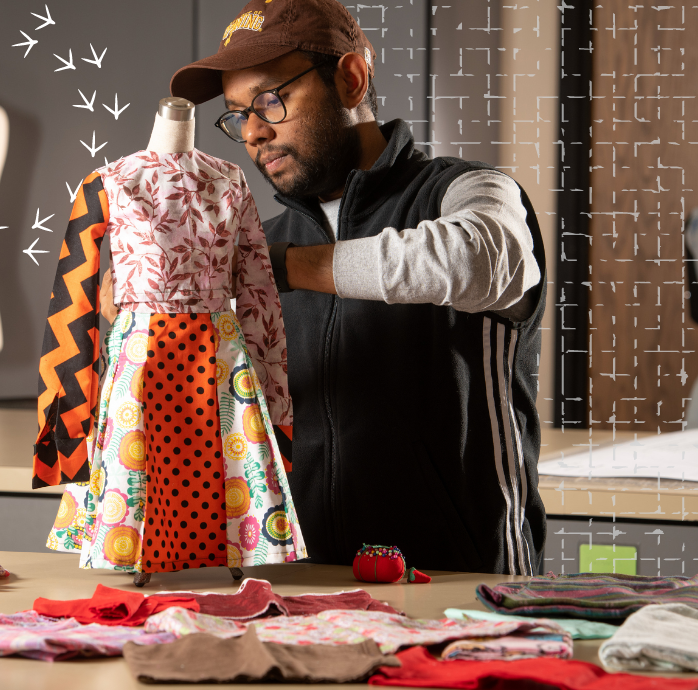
(272, 151)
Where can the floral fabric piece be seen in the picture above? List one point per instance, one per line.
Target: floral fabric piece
(174, 222)
(546, 639)
(477, 640)
(32, 635)
(280, 629)
(392, 632)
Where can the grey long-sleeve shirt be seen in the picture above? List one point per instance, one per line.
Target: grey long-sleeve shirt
(477, 256)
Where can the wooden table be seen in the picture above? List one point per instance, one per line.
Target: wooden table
(56, 576)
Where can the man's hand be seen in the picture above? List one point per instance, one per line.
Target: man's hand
(310, 268)
(106, 298)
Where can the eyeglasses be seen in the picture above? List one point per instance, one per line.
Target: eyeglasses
(268, 105)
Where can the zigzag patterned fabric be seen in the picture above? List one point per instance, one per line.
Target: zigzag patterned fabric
(69, 367)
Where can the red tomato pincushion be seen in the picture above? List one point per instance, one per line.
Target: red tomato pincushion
(384, 564)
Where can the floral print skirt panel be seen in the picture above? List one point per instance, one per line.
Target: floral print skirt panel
(185, 468)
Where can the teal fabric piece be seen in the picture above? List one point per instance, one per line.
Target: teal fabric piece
(578, 628)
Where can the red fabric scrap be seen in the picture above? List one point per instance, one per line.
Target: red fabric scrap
(421, 669)
(112, 607)
(255, 598)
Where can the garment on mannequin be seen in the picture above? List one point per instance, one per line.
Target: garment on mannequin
(173, 464)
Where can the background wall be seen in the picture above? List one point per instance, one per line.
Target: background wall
(45, 155)
(474, 79)
(642, 340)
(494, 97)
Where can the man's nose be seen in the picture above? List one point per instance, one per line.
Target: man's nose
(258, 130)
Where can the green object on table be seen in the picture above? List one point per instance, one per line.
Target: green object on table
(602, 558)
(578, 628)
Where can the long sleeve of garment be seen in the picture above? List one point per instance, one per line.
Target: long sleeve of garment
(68, 370)
(478, 256)
(259, 311)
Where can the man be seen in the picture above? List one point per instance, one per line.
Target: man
(412, 292)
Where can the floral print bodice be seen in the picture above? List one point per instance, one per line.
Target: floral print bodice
(174, 221)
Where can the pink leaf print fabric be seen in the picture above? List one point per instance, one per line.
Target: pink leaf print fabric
(175, 221)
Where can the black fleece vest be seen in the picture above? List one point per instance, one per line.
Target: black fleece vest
(415, 424)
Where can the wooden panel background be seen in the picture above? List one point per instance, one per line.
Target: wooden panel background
(642, 342)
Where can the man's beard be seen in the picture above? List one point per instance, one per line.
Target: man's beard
(333, 149)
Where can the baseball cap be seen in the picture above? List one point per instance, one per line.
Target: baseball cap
(268, 29)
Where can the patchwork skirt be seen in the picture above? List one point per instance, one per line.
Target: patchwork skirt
(185, 468)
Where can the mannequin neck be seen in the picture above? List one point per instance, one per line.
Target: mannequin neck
(169, 136)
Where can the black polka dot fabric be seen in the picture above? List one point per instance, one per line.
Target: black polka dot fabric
(185, 523)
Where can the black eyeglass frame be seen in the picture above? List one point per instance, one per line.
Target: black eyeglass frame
(251, 109)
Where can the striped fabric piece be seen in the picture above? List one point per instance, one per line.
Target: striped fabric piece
(68, 370)
(588, 596)
(499, 347)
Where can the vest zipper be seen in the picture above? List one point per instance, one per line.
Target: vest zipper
(326, 391)
(339, 536)
(328, 404)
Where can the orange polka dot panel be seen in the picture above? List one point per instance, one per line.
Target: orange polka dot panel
(185, 514)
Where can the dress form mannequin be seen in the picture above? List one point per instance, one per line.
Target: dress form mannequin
(173, 132)
(172, 221)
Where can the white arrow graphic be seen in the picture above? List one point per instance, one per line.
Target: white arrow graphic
(47, 19)
(4, 227)
(68, 63)
(92, 148)
(39, 224)
(88, 104)
(116, 112)
(106, 162)
(72, 193)
(29, 42)
(97, 60)
(31, 251)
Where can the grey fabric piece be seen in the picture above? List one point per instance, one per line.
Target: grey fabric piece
(478, 256)
(203, 658)
(655, 638)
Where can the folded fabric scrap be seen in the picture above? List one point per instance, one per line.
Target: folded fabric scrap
(579, 629)
(390, 631)
(112, 607)
(545, 639)
(419, 669)
(202, 658)
(656, 638)
(32, 635)
(255, 598)
(582, 595)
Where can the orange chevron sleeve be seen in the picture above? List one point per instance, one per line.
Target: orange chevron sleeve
(68, 369)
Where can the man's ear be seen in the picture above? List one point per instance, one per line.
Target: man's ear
(351, 79)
